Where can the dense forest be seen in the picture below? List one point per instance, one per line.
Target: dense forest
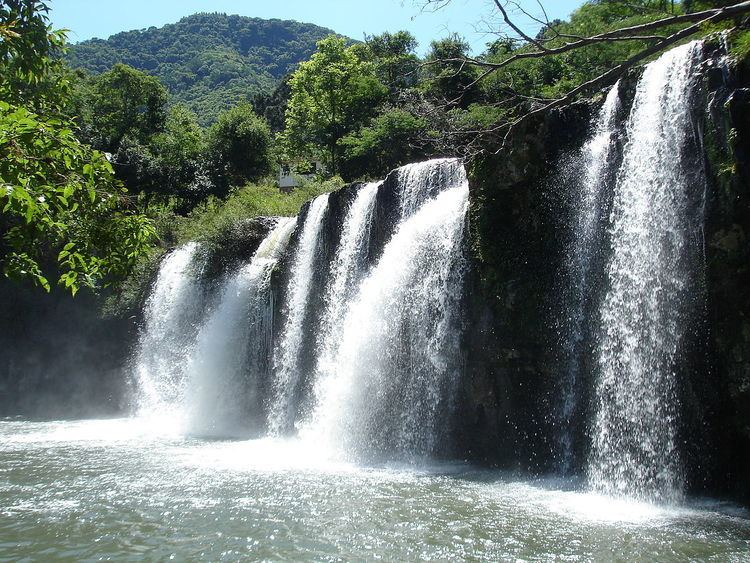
(207, 61)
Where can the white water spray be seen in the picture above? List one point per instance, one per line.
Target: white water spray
(286, 355)
(170, 322)
(643, 315)
(390, 388)
(594, 159)
(346, 272)
(229, 359)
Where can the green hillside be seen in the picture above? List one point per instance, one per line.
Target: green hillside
(208, 61)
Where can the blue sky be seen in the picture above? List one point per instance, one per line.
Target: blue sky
(101, 18)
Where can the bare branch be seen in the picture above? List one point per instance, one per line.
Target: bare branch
(476, 140)
(544, 23)
(624, 34)
(517, 29)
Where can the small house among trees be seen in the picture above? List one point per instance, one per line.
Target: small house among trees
(292, 175)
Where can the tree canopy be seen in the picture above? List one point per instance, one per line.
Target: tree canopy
(125, 101)
(207, 61)
(362, 108)
(333, 93)
(240, 143)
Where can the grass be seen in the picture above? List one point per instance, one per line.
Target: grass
(264, 199)
(740, 45)
(217, 224)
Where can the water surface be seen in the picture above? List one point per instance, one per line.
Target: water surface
(129, 489)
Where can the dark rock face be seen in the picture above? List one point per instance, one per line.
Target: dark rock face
(60, 358)
(727, 144)
(236, 245)
(510, 343)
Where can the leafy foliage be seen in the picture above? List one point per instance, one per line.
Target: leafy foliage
(553, 76)
(32, 73)
(157, 151)
(239, 143)
(181, 147)
(216, 217)
(125, 102)
(450, 81)
(59, 196)
(273, 106)
(63, 212)
(395, 60)
(171, 166)
(393, 138)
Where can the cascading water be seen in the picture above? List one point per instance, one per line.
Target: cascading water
(384, 340)
(422, 181)
(348, 266)
(171, 313)
(201, 373)
(647, 302)
(230, 357)
(287, 352)
(594, 159)
(391, 384)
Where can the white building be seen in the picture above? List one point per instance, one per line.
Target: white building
(290, 179)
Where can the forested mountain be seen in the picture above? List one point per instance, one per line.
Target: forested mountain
(208, 61)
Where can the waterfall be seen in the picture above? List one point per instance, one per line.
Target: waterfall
(348, 265)
(170, 316)
(286, 355)
(390, 387)
(229, 358)
(382, 323)
(647, 301)
(201, 371)
(422, 181)
(593, 159)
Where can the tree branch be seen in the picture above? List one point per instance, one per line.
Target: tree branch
(502, 130)
(624, 34)
(517, 29)
(614, 73)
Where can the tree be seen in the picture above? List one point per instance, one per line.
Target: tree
(395, 137)
(449, 78)
(208, 61)
(32, 70)
(125, 102)
(171, 165)
(181, 148)
(182, 140)
(393, 55)
(645, 27)
(332, 94)
(272, 106)
(239, 145)
(63, 212)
